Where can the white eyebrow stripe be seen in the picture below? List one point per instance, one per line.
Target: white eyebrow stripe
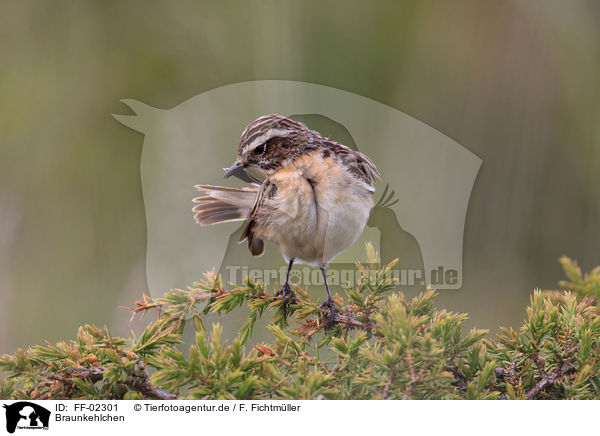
(271, 133)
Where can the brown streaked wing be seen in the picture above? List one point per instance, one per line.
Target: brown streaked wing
(366, 168)
(357, 163)
(255, 244)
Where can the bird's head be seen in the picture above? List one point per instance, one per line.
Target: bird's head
(272, 142)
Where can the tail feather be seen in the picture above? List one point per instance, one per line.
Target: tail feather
(223, 204)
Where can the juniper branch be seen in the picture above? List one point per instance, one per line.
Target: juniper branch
(138, 382)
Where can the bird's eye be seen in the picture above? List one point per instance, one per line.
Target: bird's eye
(260, 149)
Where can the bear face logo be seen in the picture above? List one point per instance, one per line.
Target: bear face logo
(24, 414)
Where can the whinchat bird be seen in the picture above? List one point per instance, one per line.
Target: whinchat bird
(313, 203)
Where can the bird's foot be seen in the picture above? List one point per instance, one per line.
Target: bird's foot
(329, 304)
(288, 297)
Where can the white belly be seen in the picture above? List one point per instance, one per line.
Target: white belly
(317, 223)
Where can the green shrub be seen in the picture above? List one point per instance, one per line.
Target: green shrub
(381, 346)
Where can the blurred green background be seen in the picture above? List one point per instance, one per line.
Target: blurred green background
(515, 82)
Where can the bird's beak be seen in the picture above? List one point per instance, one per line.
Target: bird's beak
(234, 169)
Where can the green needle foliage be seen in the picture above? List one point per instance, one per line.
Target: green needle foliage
(379, 346)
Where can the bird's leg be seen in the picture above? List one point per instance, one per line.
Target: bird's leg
(329, 302)
(286, 291)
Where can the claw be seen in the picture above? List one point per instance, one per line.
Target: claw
(332, 311)
(285, 292)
